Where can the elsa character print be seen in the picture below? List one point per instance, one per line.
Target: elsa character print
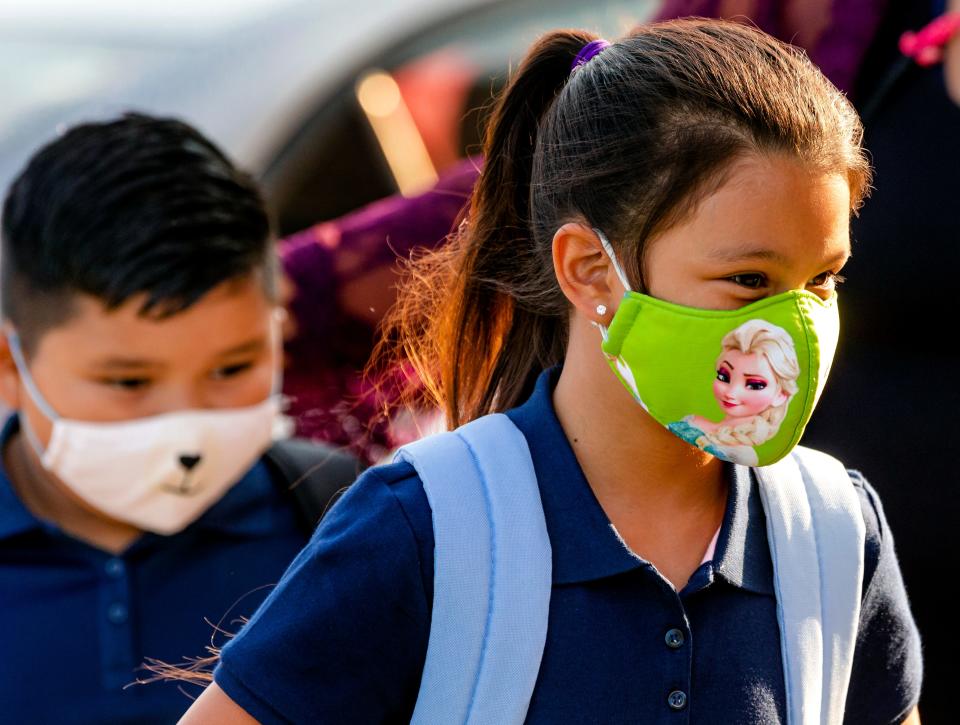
(756, 377)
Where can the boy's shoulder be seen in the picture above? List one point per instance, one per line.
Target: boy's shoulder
(314, 473)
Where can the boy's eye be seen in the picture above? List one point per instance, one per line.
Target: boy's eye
(128, 384)
(723, 376)
(230, 371)
(756, 384)
(750, 281)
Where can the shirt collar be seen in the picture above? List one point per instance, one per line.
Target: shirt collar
(241, 511)
(742, 556)
(244, 509)
(585, 544)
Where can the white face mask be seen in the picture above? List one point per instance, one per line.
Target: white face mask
(158, 473)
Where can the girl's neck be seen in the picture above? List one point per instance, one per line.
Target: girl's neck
(626, 455)
(664, 498)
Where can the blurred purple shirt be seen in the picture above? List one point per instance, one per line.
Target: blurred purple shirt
(330, 400)
(835, 33)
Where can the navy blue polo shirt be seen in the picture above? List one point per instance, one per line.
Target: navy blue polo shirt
(76, 622)
(344, 636)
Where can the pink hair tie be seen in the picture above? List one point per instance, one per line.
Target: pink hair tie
(925, 46)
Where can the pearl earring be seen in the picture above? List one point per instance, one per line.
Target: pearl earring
(601, 310)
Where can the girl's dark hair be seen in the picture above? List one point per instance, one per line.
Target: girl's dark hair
(628, 143)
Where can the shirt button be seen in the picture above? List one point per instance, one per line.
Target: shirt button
(114, 568)
(674, 639)
(117, 613)
(677, 699)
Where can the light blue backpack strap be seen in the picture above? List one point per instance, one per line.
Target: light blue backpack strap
(816, 533)
(462, 576)
(493, 574)
(840, 531)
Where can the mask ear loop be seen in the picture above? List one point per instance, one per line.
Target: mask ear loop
(278, 316)
(20, 362)
(16, 351)
(283, 425)
(608, 249)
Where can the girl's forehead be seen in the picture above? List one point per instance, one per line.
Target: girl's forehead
(769, 209)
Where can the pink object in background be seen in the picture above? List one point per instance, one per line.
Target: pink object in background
(926, 45)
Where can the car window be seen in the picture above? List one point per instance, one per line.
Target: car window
(416, 109)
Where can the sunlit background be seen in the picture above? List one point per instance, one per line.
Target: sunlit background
(331, 104)
(336, 103)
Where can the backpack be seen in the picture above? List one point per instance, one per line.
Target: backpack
(493, 576)
(315, 474)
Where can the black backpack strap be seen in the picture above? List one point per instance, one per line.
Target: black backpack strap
(315, 474)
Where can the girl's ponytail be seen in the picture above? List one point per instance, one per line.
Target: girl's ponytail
(628, 143)
(472, 327)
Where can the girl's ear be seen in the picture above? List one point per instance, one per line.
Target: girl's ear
(9, 376)
(585, 272)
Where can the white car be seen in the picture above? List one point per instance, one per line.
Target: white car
(277, 83)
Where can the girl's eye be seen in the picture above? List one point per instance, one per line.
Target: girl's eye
(750, 281)
(827, 280)
(756, 384)
(127, 384)
(230, 371)
(723, 376)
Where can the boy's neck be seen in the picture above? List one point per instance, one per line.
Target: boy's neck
(48, 499)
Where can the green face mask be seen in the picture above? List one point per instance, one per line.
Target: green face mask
(739, 384)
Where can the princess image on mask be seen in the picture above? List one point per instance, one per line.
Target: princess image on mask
(757, 373)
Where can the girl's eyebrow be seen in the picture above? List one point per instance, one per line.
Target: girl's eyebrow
(728, 364)
(746, 253)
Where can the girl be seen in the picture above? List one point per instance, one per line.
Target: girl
(654, 188)
(756, 376)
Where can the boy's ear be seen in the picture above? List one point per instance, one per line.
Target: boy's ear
(9, 376)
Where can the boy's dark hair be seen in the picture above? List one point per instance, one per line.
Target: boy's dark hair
(134, 206)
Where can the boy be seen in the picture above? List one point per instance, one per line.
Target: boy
(141, 351)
